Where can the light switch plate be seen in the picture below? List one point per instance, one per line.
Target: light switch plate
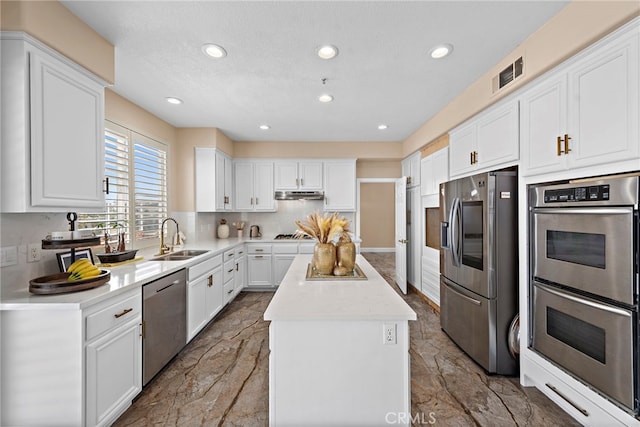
(8, 256)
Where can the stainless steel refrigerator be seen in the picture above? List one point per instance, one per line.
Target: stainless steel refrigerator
(479, 267)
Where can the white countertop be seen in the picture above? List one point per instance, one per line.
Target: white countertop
(123, 278)
(371, 299)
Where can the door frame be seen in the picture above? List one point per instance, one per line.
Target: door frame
(357, 216)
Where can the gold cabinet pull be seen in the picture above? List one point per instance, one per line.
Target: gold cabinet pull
(566, 144)
(471, 158)
(475, 157)
(210, 281)
(125, 311)
(559, 145)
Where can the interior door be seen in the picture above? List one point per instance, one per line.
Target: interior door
(401, 233)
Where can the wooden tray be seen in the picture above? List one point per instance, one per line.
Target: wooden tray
(356, 274)
(114, 257)
(58, 283)
(68, 244)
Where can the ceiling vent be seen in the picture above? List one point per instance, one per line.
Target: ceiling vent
(506, 76)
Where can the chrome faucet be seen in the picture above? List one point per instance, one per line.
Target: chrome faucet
(163, 247)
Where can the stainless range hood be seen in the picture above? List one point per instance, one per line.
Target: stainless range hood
(299, 195)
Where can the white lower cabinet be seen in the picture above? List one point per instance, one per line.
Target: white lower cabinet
(204, 294)
(113, 357)
(283, 255)
(240, 276)
(228, 276)
(259, 266)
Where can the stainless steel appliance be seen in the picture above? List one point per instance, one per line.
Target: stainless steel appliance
(584, 281)
(254, 232)
(479, 281)
(299, 195)
(164, 313)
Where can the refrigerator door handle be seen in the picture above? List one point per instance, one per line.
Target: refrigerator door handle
(444, 235)
(455, 231)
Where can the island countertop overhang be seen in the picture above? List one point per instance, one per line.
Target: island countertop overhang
(354, 300)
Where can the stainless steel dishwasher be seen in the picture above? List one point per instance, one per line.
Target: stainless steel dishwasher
(164, 313)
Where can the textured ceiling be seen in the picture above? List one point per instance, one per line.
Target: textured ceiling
(271, 75)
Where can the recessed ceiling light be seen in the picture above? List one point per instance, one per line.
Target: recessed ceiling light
(441, 51)
(327, 51)
(265, 127)
(172, 100)
(325, 97)
(383, 127)
(214, 51)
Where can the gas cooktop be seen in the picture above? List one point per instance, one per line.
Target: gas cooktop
(290, 236)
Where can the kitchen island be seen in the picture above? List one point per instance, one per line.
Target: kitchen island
(339, 350)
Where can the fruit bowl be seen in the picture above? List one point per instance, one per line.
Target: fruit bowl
(58, 283)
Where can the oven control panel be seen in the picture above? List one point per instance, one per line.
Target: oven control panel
(577, 194)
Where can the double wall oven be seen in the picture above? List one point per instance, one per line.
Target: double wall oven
(584, 281)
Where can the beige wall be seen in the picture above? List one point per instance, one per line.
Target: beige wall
(377, 215)
(53, 24)
(360, 150)
(575, 27)
(378, 169)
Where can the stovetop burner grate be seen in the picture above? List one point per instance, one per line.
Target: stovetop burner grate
(290, 237)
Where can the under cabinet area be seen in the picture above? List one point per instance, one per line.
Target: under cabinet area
(585, 113)
(204, 294)
(52, 130)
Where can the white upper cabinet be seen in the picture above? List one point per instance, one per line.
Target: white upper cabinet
(254, 186)
(52, 130)
(411, 169)
(340, 185)
(585, 113)
(213, 180)
(434, 171)
(488, 140)
(298, 175)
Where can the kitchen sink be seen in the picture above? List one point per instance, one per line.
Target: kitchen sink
(180, 255)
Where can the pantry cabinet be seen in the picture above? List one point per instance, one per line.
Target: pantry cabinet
(340, 185)
(298, 175)
(254, 186)
(487, 141)
(52, 130)
(213, 180)
(585, 113)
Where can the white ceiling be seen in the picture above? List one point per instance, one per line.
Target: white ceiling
(271, 75)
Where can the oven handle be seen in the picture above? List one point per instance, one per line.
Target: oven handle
(582, 211)
(579, 300)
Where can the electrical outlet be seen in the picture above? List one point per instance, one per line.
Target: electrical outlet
(389, 330)
(33, 252)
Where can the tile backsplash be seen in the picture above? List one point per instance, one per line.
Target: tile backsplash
(22, 229)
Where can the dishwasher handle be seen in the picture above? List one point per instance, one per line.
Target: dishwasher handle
(175, 282)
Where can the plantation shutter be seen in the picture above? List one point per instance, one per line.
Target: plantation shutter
(115, 218)
(150, 187)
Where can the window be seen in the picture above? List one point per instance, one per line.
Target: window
(141, 184)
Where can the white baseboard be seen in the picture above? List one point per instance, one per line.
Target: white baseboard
(377, 249)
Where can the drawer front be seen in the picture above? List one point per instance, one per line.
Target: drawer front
(228, 255)
(204, 267)
(229, 269)
(228, 291)
(258, 249)
(113, 315)
(285, 248)
(240, 252)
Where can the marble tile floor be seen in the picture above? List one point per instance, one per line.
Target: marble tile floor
(221, 378)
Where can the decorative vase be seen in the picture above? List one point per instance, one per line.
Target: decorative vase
(223, 231)
(240, 230)
(346, 255)
(324, 258)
